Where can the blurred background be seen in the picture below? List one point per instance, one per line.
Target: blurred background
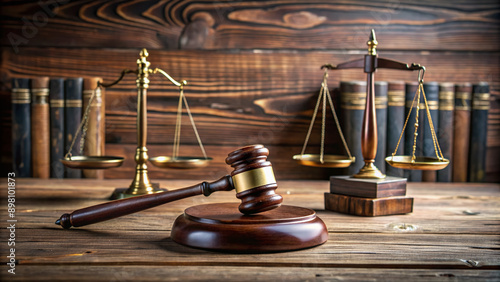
(253, 67)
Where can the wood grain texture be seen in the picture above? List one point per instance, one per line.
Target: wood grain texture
(166, 272)
(453, 232)
(283, 24)
(368, 206)
(252, 66)
(238, 98)
(368, 188)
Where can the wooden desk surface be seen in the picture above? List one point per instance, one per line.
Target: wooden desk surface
(453, 233)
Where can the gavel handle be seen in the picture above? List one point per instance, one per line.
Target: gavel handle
(126, 206)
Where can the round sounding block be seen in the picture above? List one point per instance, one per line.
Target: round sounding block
(221, 227)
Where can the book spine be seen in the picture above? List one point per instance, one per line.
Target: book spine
(445, 128)
(461, 131)
(94, 141)
(395, 121)
(431, 90)
(478, 132)
(21, 127)
(57, 135)
(381, 88)
(40, 127)
(72, 116)
(353, 100)
(410, 92)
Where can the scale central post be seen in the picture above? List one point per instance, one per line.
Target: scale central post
(369, 135)
(140, 184)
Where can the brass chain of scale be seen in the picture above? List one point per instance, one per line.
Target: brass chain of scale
(83, 127)
(324, 93)
(416, 100)
(178, 124)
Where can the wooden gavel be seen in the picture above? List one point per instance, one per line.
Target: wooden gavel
(252, 178)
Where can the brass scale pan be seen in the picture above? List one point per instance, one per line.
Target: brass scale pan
(104, 162)
(180, 162)
(333, 161)
(92, 162)
(420, 163)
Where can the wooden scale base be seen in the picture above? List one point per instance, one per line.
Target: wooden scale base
(368, 197)
(120, 193)
(221, 227)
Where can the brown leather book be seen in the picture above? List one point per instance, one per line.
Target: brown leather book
(40, 127)
(95, 138)
(461, 130)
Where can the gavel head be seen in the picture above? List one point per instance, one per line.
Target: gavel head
(253, 179)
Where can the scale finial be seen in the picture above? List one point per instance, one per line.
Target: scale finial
(372, 44)
(144, 53)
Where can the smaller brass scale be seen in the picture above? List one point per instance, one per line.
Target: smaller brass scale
(369, 136)
(140, 184)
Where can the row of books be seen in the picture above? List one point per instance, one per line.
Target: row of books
(46, 113)
(459, 113)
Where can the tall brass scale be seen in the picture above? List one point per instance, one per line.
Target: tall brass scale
(141, 183)
(370, 192)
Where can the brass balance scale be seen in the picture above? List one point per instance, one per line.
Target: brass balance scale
(141, 184)
(365, 193)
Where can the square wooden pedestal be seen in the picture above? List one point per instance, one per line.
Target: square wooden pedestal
(368, 197)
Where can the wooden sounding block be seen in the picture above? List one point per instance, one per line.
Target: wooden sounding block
(368, 197)
(368, 188)
(221, 227)
(368, 206)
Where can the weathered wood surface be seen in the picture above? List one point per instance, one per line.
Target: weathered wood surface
(249, 273)
(453, 232)
(283, 24)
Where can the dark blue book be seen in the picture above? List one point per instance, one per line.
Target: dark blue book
(73, 88)
(21, 127)
(57, 134)
(445, 128)
(381, 112)
(353, 100)
(410, 138)
(432, 93)
(478, 132)
(395, 122)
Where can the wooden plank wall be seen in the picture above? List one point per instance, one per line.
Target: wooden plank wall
(253, 67)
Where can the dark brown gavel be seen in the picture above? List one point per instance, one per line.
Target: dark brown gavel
(252, 178)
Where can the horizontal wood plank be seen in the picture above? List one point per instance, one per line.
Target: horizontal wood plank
(453, 232)
(283, 24)
(84, 246)
(247, 273)
(472, 209)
